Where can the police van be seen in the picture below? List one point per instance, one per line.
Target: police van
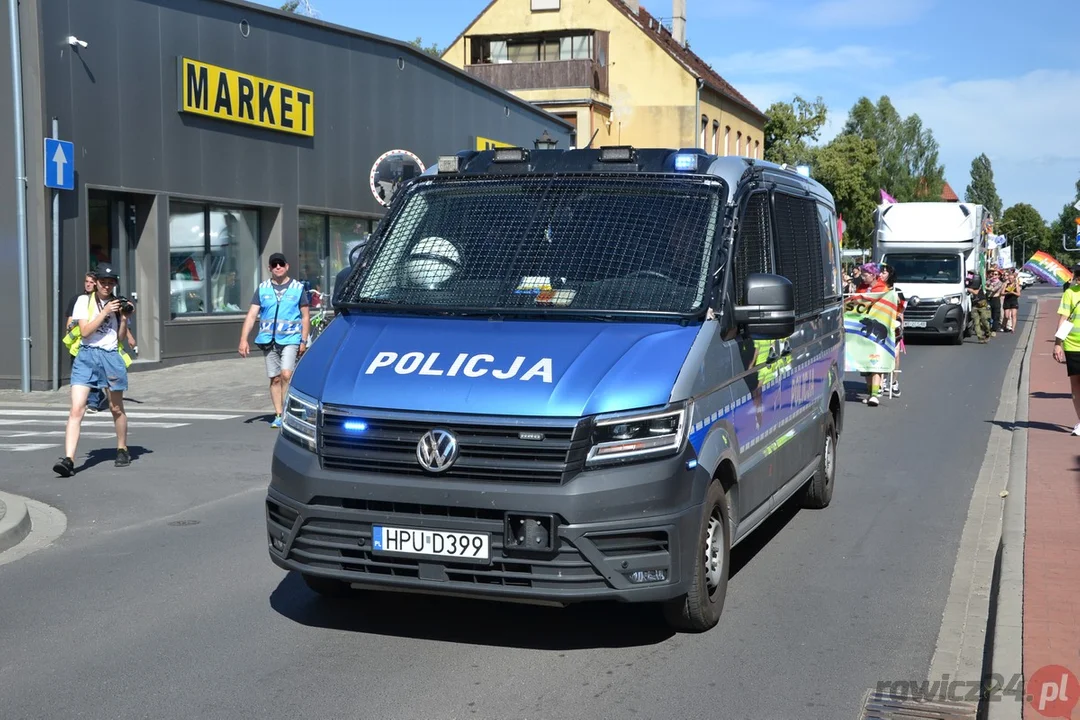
(561, 376)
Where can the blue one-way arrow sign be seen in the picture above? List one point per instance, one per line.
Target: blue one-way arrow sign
(59, 164)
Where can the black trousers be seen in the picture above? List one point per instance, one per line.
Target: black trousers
(995, 313)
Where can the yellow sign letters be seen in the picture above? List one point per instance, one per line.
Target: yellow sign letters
(236, 97)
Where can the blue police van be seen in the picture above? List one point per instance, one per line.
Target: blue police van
(561, 376)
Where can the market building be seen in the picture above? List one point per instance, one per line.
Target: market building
(206, 135)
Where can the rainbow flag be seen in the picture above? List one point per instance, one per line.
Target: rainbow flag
(870, 324)
(1049, 269)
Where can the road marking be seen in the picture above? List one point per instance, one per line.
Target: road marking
(137, 414)
(43, 424)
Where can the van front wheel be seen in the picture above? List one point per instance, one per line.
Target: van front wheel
(700, 608)
(817, 493)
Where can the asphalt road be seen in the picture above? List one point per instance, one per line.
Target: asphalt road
(160, 600)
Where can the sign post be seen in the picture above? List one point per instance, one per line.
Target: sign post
(59, 158)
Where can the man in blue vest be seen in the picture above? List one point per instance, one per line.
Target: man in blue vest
(281, 305)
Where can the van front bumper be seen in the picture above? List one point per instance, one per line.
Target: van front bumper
(627, 533)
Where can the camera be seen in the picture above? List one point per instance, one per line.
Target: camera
(126, 306)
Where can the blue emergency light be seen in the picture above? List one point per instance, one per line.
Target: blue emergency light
(685, 162)
(357, 426)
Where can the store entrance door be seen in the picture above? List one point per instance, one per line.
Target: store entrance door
(114, 233)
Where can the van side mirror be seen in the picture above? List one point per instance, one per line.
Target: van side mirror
(769, 312)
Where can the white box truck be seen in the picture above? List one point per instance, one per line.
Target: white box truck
(931, 245)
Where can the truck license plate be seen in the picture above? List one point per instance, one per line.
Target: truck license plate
(915, 323)
(430, 543)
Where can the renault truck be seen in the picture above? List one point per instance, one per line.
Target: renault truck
(931, 245)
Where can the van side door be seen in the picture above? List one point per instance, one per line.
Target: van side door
(803, 372)
(754, 390)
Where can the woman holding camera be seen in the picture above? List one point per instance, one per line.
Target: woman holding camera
(102, 322)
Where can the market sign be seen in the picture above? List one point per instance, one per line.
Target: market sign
(483, 143)
(241, 98)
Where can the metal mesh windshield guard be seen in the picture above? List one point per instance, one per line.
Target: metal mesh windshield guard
(564, 243)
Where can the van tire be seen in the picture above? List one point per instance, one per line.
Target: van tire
(328, 587)
(817, 493)
(700, 608)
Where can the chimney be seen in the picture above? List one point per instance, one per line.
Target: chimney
(678, 21)
(634, 6)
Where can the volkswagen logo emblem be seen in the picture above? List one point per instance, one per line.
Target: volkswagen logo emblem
(437, 450)
(915, 301)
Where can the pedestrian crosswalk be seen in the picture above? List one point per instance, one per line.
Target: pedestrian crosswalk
(27, 430)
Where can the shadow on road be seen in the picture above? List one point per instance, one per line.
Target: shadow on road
(100, 455)
(267, 418)
(473, 622)
(1042, 395)
(1029, 425)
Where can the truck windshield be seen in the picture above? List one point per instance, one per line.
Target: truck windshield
(637, 244)
(944, 269)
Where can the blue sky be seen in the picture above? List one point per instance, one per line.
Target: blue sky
(989, 76)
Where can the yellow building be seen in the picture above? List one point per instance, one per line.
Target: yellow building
(613, 70)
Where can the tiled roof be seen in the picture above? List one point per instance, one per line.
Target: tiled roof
(653, 28)
(948, 195)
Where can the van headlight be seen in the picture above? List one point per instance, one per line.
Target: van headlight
(300, 419)
(954, 299)
(638, 436)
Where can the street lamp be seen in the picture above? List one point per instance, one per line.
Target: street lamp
(545, 142)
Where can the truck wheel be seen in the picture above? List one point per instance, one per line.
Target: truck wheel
(327, 587)
(958, 338)
(817, 493)
(699, 609)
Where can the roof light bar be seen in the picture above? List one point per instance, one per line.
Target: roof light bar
(511, 155)
(621, 153)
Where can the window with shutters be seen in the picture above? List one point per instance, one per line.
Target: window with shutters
(753, 248)
(798, 250)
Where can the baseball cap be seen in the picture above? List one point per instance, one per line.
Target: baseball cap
(106, 270)
(278, 257)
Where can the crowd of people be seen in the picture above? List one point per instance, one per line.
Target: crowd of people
(994, 309)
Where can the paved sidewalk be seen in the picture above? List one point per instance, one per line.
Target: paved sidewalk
(238, 384)
(1052, 542)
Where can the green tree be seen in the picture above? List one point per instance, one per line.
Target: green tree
(982, 190)
(1026, 230)
(790, 128)
(300, 7)
(1065, 227)
(846, 167)
(432, 49)
(907, 167)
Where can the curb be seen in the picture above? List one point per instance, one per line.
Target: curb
(1005, 641)
(966, 637)
(15, 523)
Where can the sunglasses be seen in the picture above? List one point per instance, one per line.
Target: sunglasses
(278, 263)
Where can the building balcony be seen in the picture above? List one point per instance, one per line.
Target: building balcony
(543, 75)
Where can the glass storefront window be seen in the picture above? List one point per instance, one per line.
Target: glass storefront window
(325, 244)
(213, 258)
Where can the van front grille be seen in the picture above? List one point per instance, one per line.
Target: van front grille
(528, 450)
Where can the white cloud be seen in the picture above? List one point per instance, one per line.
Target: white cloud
(1026, 125)
(791, 61)
(865, 13)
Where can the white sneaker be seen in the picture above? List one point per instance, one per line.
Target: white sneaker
(1076, 430)
(873, 401)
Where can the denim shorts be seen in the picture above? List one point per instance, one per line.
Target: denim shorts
(98, 368)
(279, 358)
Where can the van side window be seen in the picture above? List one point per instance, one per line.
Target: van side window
(830, 253)
(753, 250)
(798, 247)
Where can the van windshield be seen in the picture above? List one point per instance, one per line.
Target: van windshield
(943, 269)
(634, 245)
